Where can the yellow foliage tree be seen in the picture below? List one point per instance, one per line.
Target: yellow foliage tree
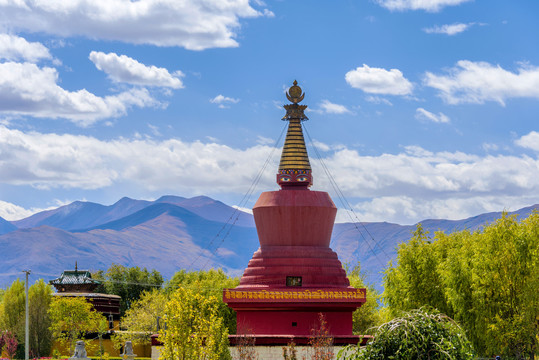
(72, 318)
(194, 329)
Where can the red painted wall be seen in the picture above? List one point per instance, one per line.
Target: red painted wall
(281, 322)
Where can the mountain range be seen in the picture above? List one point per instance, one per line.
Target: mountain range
(174, 233)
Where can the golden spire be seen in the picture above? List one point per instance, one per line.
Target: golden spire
(294, 159)
(294, 156)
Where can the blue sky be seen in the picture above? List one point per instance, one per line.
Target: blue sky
(419, 108)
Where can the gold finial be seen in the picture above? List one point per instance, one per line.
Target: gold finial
(295, 94)
(295, 111)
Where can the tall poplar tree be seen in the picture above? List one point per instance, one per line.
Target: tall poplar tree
(40, 334)
(487, 281)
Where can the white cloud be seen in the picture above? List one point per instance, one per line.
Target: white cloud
(441, 184)
(121, 68)
(47, 160)
(27, 89)
(451, 29)
(422, 114)
(223, 101)
(418, 184)
(478, 82)
(155, 130)
(268, 13)
(244, 209)
(330, 108)
(423, 174)
(192, 24)
(427, 5)
(16, 48)
(490, 147)
(11, 212)
(378, 100)
(406, 210)
(379, 81)
(261, 140)
(321, 146)
(530, 141)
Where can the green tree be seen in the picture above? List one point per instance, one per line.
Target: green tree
(2, 291)
(40, 336)
(72, 318)
(13, 305)
(140, 320)
(368, 315)
(12, 309)
(127, 282)
(194, 328)
(415, 282)
(486, 280)
(208, 283)
(418, 334)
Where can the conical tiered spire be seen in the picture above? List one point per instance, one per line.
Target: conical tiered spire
(294, 168)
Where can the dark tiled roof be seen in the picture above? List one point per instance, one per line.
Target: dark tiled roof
(74, 277)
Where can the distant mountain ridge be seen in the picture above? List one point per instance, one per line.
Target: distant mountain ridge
(85, 215)
(174, 233)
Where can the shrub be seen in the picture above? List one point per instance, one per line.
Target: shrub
(418, 334)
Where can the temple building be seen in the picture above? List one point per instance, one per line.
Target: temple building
(79, 283)
(294, 276)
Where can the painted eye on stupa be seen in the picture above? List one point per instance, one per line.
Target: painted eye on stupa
(284, 178)
(302, 178)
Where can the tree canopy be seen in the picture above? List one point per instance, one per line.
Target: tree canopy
(368, 315)
(127, 282)
(418, 334)
(141, 318)
(72, 318)
(486, 280)
(194, 329)
(208, 283)
(40, 334)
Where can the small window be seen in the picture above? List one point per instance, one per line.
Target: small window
(293, 281)
(294, 324)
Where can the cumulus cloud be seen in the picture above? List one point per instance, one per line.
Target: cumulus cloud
(192, 24)
(16, 48)
(478, 82)
(420, 173)
(26, 89)
(330, 108)
(422, 114)
(121, 68)
(404, 187)
(379, 81)
(530, 141)
(451, 29)
(427, 5)
(223, 101)
(417, 184)
(408, 210)
(48, 160)
(11, 212)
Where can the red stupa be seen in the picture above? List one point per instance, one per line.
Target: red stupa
(294, 275)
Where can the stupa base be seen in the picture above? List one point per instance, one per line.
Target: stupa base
(284, 340)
